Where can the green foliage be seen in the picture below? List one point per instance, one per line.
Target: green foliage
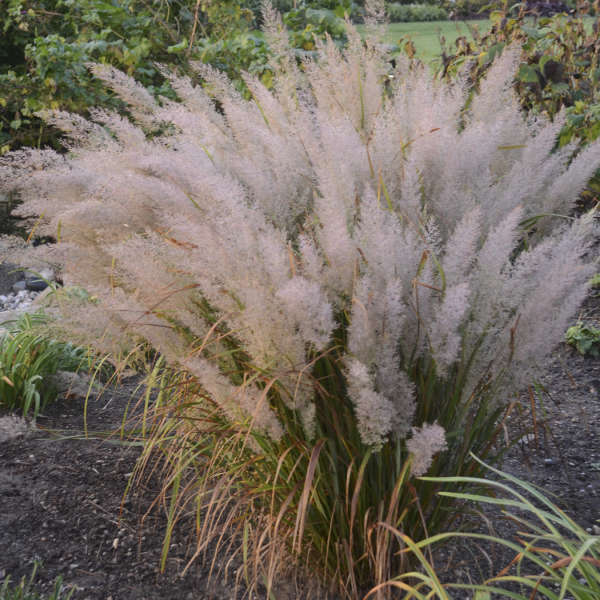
(307, 22)
(585, 337)
(595, 281)
(27, 359)
(45, 46)
(399, 13)
(247, 52)
(464, 9)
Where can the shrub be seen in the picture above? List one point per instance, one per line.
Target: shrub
(46, 44)
(415, 12)
(308, 23)
(28, 359)
(248, 52)
(469, 9)
(349, 275)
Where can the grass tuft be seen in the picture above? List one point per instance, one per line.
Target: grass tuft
(28, 359)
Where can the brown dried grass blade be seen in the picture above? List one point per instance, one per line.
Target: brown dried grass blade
(304, 500)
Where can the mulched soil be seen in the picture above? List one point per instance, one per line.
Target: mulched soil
(61, 495)
(62, 504)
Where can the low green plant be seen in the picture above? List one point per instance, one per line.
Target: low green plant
(24, 590)
(585, 338)
(554, 557)
(28, 359)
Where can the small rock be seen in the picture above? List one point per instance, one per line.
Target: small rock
(19, 286)
(46, 274)
(37, 285)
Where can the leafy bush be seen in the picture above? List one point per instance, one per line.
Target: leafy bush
(307, 24)
(341, 274)
(247, 52)
(469, 9)
(415, 12)
(46, 44)
(28, 359)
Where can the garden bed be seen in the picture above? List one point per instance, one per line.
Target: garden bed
(61, 495)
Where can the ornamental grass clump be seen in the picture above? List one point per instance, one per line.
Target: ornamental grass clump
(348, 277)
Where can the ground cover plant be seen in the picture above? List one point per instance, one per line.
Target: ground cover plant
(343, 303)
(29, 358)
(584, 337)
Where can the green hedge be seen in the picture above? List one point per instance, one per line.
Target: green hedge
(399, 13)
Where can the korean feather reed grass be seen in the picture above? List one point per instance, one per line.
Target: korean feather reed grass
(347, 278)
(330, 504)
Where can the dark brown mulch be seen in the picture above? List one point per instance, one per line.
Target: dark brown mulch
(61, 503)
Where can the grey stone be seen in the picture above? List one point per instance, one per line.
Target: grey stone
(9, 275)
(36, 285)
(19, 286)
(46, 274)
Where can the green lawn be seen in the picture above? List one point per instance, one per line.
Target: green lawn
(425, 36)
